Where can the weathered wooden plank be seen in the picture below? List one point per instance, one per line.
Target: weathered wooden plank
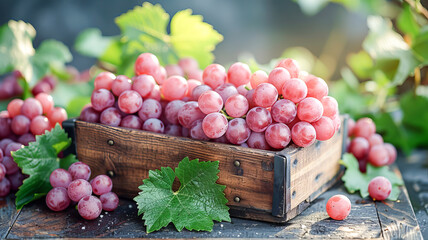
(8, 214)
(37, 221)
(397, 219)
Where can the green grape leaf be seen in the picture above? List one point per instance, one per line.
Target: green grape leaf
(194, 206)
(357, 181)
(38, 160)
(361, 64)
(16, 47)
(191, 37)
(406, 21)
(383, 43)
(420, 45)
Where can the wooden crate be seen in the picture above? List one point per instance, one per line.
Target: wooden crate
(262, 185)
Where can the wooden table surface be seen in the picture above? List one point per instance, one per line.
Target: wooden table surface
(367, 220)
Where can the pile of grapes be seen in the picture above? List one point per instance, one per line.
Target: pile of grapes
(257, 110)
(72, 186)
(19, 124)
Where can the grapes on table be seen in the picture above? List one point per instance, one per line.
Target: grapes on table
(338, 207)
(264, 110)
(379, 188)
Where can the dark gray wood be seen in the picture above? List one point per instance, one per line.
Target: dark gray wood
(8, 214)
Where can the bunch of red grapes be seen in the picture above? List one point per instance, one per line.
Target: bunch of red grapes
(10, 87)
(72, 186)
(257, 110)
(19, 124)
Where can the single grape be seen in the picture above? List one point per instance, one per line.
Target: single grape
(188, 64)
(2, 171)
(210, 102)
(79, 189)
(102, 99)
(338, 207)
(317, 88)
(197, 91)
(89, 207)
(160, 75)
(104, 80)
(101, 184)
(258, 119)
(324, 128)
(278, 135)
(250, 99)
(10, 165)
(31, 108)
(379, 188)
(295, 90)
(351, 127)
(375, 139)
(41, 87)
(172, 109)
(57, 115)
(4, 187)
(309, 110)
(121, 84)
(14, 107)
(174, 88)
(130, 101)
(257, 78)
(39, 125)
(214, 75)
(214, 125)
(111, 116)
(143, 84)
(303, 134)
(20, 125)
(174, 70)
(5, 127)
(174, 130)
(60, 178)
(16, 180)
(131, 121)
(277, 77)
(192, 84)
(257, 140)
(330, 106)
(237, 131)
(155, 93)
(378, 156)
(265, 95)
(392, 153)
(239, 74)
(291, 65)
(226, 90)
(109, 201)
(3, 145)
(359, 147)
(146, 63)
(236, 106)
(89, 114)
(243, 90)
(189, 113)
(79, 170)
(154, 125)
(57, 199)
(196, 131)
(364, 127)
(284, 111)
(196, 75)
(11, 147)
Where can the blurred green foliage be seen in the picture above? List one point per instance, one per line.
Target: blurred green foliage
(144, 29)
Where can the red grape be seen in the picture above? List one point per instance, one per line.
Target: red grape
(146, 63)
(309, 110)
(25, 139)
(330, 106)
(89, 207)
(109, 201)
(317, 88)
(277, 77)
(155, 93)
(196, 131)
(210, 102)
(359, 147)
(12, 147)
(16, 180)
(4, 127)
(258, 119)
(14, 107)
(101, 184)
(258, 77)
(324, 128)
(121, 84)
(174, 130)
(278, 135)
(174, 70)
(57, 115)
(191, 84)
(104, 80)
(237, 131)
(197, 91)
(239, 74)
(143, 84)
(284, 111)
(378, 156)
(265, 95)
(131, 121)
(57, 199)
(236, 106)
(89, 114)
(214, 125)
(257, 140)
(226, 90)
(172, 109)
(39, 125)
(291, 65)
(375, 139)
(214, 75)
(154, 125)
(111, 116)
(60, 178)
(294, 90)
(31, 108)
(392, 153)
(4, 187)
(189, 113)
(379, 188)
(79, 189)
(174, 88)
(47, 102)
(79, 170)
(188, 64)
(20, 125)
(102, 99)
(351, 127)
(303, 134)
(364, 127)
(338, 207)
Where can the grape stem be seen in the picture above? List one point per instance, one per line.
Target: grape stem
(225, 114)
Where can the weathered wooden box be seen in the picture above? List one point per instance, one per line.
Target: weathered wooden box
(261, 185)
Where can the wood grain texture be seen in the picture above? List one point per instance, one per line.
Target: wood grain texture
(8, 214)
(135, 152)
(397, 219)
(37, 221)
